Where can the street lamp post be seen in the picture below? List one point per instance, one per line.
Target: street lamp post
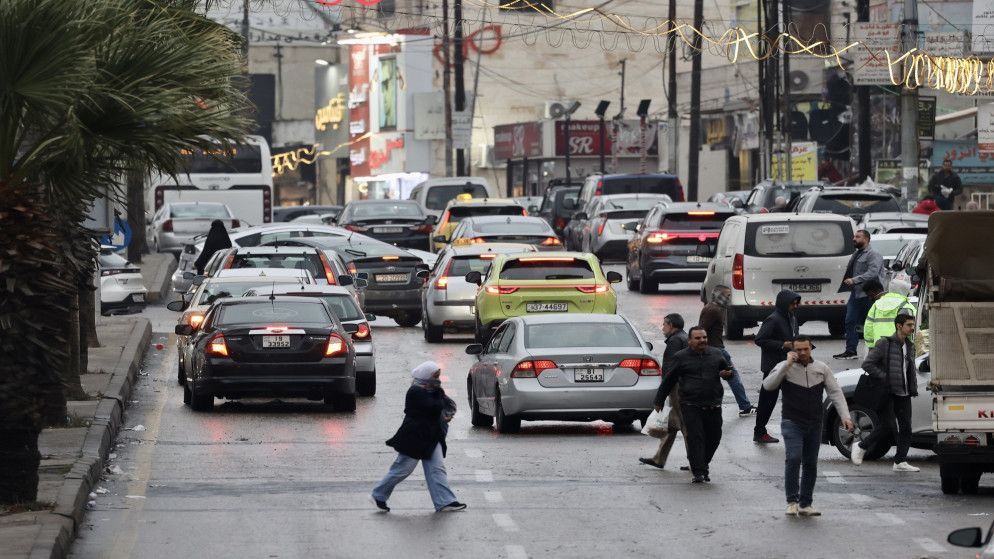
(600, 111)
(643, 113)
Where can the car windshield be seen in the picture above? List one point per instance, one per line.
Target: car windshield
(694, 221)
(212, 291)
(310, 262)
(513, 228)
(646, 204)
(546, 268)
(273, 312)
(581, 335)
(462, 265)
(799, 238)
(848, 204)
(439, 196)
(201, 211)
(458, 213)
(379, 210)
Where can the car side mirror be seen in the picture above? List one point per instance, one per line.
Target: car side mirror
(350, 328)
(345, 280)
(580, 216)
(966, 537)
(474, 349)
(370, 317)
(176, 306)
(197, 280)
(440, 239)
(613, 277)
(423, 274)
(649, 345)
(183, 330)
(569, 204)
(431, 220)
(705, 250)
(474, 277)
(361, 283)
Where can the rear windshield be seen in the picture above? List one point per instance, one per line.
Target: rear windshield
(787, 192)
(439, 196)
(855, 204)
(204, 211)
(343, 306)
(462, 265)
(275, 312)
(708, 221)
(385, 210)
(590, 334)
(350, 252)
(459, 212)
(224, 290)
(310, 262)
(640, 184)
(546, 269)
(632, 203)
(799, 238)
(571, 194)
(514, 228)
(888, 248)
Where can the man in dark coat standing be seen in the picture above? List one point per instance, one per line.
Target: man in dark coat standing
(775, 338)
(865, 264)
(217, 239)
(945, 185)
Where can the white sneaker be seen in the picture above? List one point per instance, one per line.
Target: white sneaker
(856, 453)
(791, 509)
(808, 511)
(905, 467)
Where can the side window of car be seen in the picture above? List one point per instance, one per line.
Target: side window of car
(505, 342)
(495, 341)
(277, 236)
(729, 236)
(215, 262)
(440, 264)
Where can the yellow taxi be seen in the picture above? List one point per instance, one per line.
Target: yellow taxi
(464, 206)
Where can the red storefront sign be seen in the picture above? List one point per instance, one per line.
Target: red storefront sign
(514, 141)
(585, 138)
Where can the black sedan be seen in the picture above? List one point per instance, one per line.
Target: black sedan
(262, 346)
(398, 222)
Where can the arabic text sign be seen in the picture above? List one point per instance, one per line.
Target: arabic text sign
(869, 60)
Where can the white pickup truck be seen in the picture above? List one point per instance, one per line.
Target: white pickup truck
(957, 309)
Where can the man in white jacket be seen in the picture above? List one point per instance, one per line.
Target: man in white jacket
(803, 382)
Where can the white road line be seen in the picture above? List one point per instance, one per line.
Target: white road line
(889, 518)
(505, 522)
(474, 453)
(484, 476)
(493, 496)
(930, 545)
(515, 552)
(835, 477)
(860, 498)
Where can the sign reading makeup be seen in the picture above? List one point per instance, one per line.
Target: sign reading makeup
(333, 113)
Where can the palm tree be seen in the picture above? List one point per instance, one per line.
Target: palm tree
(88, 90)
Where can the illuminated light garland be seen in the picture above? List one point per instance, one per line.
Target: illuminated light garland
(290, 160)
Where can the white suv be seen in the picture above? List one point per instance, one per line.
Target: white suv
(758, 255)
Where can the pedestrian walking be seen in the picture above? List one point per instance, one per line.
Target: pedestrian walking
(891, 367)
(886, 306)
(427, 412)
(804, 382)
(217, 239)
(945, 185)
(864, 264)
(676, 341)
(775, 338)
(712, 319)
(698, 371)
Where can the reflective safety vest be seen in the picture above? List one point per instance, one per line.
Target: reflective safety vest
(880, 320)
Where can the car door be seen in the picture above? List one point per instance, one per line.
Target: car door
(484, 373)
(635, 244)
(650, 223)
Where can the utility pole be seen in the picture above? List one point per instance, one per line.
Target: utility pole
(671, 112)
(460, 82)
(763, 172)
(245, 31)
(909, 108)
(446, 87)
(621, 109)
(694, 147)
(786, 125)
(864, 162)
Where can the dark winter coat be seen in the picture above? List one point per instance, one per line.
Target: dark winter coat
(423, 427)
(697, 375)
(779, 327)
(884, 362)
(712, 320)
(217, 239)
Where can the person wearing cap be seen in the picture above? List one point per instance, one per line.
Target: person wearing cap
(421, 437)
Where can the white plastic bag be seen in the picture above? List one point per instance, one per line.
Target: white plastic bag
(657, 425)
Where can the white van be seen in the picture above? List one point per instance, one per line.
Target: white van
(758, 255)
(434, 194)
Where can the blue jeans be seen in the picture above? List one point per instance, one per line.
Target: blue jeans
(856, 310)
(735, 383)
(801, 442)
(435, 475)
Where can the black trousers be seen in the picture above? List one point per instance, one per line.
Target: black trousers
(764, 409)
(703, 431)
(894, 413)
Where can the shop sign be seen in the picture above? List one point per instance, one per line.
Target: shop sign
(515, 141)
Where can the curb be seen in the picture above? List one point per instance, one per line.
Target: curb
(160, 283)
(56, 538)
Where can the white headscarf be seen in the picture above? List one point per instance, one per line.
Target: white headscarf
(425, 370)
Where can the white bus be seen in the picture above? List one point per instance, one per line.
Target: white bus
(241, 177)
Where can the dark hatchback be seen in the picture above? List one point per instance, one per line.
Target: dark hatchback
(398, 222)
(262, 347)
(554, 207)
(664, 248)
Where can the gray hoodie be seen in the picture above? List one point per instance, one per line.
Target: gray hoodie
(803, 387)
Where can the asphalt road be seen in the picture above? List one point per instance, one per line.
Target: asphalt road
(292, 479)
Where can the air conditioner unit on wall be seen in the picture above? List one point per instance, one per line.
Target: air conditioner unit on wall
(806, 79)
(555, 109)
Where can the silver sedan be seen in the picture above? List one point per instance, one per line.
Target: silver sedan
(176, 224)
(562, 367)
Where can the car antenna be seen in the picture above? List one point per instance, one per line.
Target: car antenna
(272, 294)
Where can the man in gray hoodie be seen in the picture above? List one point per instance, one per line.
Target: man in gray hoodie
(803, 382)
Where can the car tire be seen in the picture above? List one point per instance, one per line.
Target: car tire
(647, 286)
(837, 328)
(200, 401)
(408, 319)
(482, 333)
(622, 425)
(341, 402)
(506, 423)
(478, 419)
(867, 420)
(970, 480)
(433, 334)
(180, 373)
(186, 395)
(733, 328)
(633, 284)
(365, 383)
(950, 476)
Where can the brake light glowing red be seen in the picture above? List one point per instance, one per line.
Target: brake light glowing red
(547, 259)
(443, 280)
(391, 258)
(700, 213)
(329, 274)
(488, 256)
(559, 223)
(738, 272)
(363, 333)
(500, 290)
(600, 185)
(336, 346)
(531, 369)
(657, 237)
(600, 228)
(217, 346)
(592, 288)
(551, 241)
(228, 262)
(642, 367)
(356, 228)
(167, 226)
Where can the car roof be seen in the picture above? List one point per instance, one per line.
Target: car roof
(483, 202)
(778, 217)
(572, 318)
(631, 175)
(576, 255)
(895, 216)
(505, 219)
(447, 181)
(274, 250)
(680, 207)
(498, 248)
(636, 196)
(265, 299)
(381, 202)
(866, 190)
(260, 273)
(289, 289)
(896, 236)
(284, 279)
(196, 203)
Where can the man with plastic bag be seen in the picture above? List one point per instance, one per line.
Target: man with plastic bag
(667, 427)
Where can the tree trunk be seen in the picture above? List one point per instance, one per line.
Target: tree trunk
(88, 316)
(71, 382)
(136, 216)
(19, 461)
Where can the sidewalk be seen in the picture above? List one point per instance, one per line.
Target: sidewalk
(73, 457)
(157, 271)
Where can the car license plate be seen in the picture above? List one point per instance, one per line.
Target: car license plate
(803, 287)
(387, 229)
(276, 341)
(694, 259)
(392, 278)
(547, 307)
(138, 297)
(588, 375)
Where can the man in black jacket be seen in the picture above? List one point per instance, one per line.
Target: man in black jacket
(775, 338)
(676, 340)
(698, 370)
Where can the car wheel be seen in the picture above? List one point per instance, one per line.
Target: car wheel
(950, 476)
(408, 319)
(970, 481)
(633, 284)
(837, 328)
(186, 395)
(341, 402)
(180, 374)
(647, 286)
(433, 334)
(200, 401)
(479, 419)
(733, 328)
(365, 383)
(506, 423)
(622, 425)
(866, 421)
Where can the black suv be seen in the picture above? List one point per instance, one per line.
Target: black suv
(554, 208)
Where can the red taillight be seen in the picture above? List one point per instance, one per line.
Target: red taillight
(592, 288)
(443, 222)
(658, 237)
(524, 212)
(738, 273)
(356, 228)
(531, 369)
(551, 241)
(352, 269)
(681, 197)
(216, 346)
(235, 223)
(600, 185)
(443, 280)
(363, 333)
(194, 318)
(228, 262)
(497, 290)
(600, 228)
(488, 256)
(167, 226)
(559, 223)
(421, 228)
(329, 274)
(336, 346)
(642, 367)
